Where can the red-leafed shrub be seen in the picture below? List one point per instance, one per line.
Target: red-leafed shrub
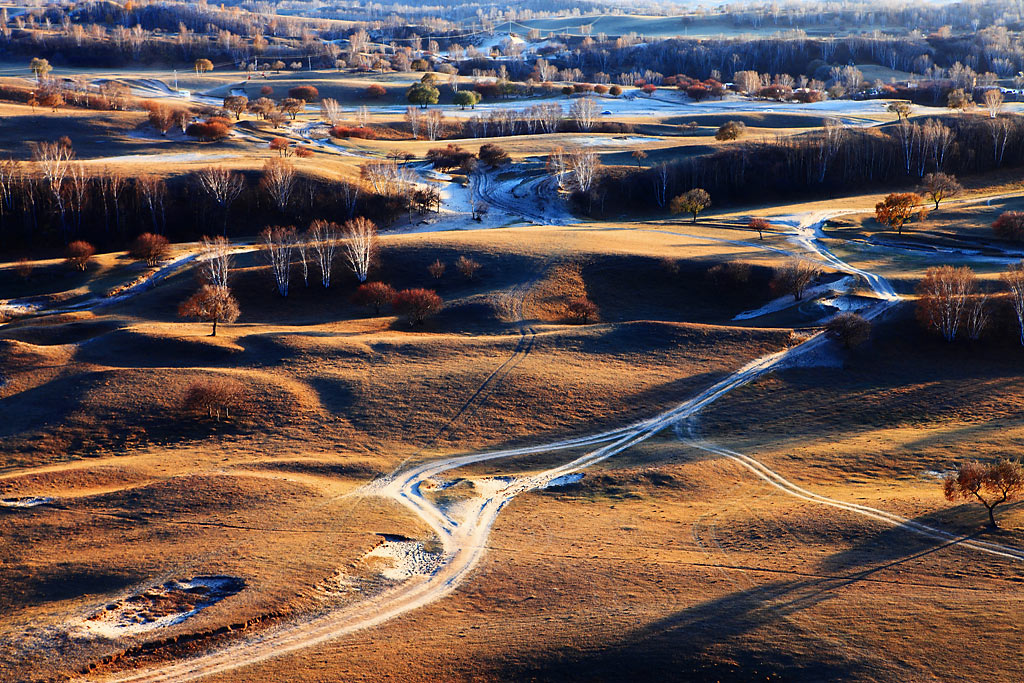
(207, 131)
(353, 132)
(417, 304)
(304, 92)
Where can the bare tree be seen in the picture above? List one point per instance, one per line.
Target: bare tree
(78, 191)
(794, 278)
(1014, 281)
(413, 116)
(940, 186)
(278, 182)
(993, 99)
(360, 245)
(584, 112)
(330, 111)
(112, 185)
(54, 159)
(433, 123)
(324, 237)
(582, 165)
(557, 165)
(945, 295)
(348, 193)
(222, 186)
(215, 261)
(302, 247)
(660, 178)
(151, 191)
(212, 304)
(278, 244)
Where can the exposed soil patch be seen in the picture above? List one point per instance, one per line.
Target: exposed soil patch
(166, 605)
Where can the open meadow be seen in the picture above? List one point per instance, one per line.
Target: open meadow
(508, 344)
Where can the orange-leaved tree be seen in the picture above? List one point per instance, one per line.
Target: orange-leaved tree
(898, 208)
(990, 484)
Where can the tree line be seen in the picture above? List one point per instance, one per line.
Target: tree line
(830, 160)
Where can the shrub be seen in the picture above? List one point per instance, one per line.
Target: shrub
(376, 294)
(375, 91)
(24, 268)
(615, 91)
(1009, 226)
(213, 397)
(850, 329)
(437, 269)
(580, 310)
(417, 304)
(731, 130)
(78, 254)
(601, 89)
(304, 92)
(353, 132)
(733, 275)
(150, 248)
(303, 152)
(493, 155)
(449, 157)
(468, 267)
(207, 131)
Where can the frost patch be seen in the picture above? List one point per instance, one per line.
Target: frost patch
(30, 502)
(565, 480)
(166, 605)
(404, 558)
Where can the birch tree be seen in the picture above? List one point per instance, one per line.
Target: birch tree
(360, 245)
(324, 237)
(222, 186)
(215, 260)
(278, 244)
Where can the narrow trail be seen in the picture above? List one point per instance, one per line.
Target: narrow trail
(464, 540)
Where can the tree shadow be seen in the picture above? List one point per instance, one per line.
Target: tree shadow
(736, 637)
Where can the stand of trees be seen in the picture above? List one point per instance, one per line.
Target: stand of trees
(53, 200)
(831, 160)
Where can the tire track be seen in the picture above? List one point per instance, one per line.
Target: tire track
(465, 542)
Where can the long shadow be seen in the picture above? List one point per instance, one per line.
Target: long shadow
(737, 637)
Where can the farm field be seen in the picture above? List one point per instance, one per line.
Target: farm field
(492, 344)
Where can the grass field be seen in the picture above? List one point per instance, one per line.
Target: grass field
(692, 483)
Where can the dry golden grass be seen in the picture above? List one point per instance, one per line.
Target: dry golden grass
(663, 562)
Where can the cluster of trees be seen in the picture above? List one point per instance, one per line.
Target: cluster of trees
(831, 159)
(53, 199)
(324, 242)
(954, 304)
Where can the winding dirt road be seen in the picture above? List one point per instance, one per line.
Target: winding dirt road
(464, 537)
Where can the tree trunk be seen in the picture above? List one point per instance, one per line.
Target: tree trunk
(214, 328)
(992, 517)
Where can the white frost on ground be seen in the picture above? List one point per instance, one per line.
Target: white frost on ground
(565, 480)
(30, 502)
(611, 141)
(840, 286)
(170, 157)
(166, 605)
(406, 558)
